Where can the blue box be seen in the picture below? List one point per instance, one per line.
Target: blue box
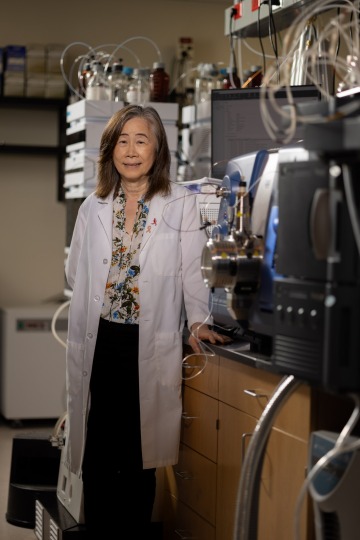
(15, 58)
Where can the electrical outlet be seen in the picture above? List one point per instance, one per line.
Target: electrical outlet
(185, 49)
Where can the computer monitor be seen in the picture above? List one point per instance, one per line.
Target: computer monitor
(237, 127)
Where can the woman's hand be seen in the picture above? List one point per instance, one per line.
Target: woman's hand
(202, 332)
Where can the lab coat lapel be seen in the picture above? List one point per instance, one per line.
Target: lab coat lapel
(105, 214)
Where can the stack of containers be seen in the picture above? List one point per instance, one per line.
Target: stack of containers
(32, 71)
(35, 70)
(15, 68)
(55, 85)
(1, 70)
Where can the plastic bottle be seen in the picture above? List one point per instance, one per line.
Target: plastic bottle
(98, 87)
(159, 83)
(117, 80)
(138, 90)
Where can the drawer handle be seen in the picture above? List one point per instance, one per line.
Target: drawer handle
(254, 393)
(186, 416)
(184, 475)
(184, 535)
(192, 366)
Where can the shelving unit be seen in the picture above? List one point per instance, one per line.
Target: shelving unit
(35, 106)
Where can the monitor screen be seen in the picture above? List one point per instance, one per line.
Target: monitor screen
(237, 127)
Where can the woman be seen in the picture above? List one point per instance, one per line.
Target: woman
(133, 264)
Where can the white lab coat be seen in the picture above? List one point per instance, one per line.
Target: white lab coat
(170, 279)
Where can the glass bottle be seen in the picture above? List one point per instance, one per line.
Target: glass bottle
(231, 79)
(98, 87)
(159, 83)
(84, 78)
(117, 80)
(256, 74)
(138, 90)
(204, 83)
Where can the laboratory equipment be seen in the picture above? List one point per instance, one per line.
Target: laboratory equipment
(32, 363)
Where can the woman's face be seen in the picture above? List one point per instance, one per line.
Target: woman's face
(134, 152)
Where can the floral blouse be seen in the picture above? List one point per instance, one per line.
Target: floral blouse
(121, 301)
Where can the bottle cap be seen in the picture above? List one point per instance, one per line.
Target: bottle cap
(157, 65)
(116, 67)
(128, 70)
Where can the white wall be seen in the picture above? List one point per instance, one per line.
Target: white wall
(32, 221)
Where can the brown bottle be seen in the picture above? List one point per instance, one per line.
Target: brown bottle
(159, 83)
(231, 80)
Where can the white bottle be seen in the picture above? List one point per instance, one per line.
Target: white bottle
(98, 87)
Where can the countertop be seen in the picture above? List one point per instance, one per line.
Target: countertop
(240, 351)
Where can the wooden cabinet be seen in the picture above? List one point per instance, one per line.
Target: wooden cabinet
(243, 394)
(221, 409)
(190, 486)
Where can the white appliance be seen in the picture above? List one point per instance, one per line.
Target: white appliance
(32, 363)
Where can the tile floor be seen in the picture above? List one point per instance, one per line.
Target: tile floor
(7, 432)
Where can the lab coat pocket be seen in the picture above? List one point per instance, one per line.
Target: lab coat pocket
(168, 348)
(166, 255)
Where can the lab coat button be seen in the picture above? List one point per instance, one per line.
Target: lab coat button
(97, 298)
(89, 335)
(85, 373)
(105, 261)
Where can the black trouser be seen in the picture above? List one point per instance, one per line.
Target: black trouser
(116, 487)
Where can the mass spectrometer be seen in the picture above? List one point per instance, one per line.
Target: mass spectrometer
(283, 260)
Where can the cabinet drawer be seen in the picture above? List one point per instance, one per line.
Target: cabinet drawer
(236, 378)
(182, 523)
(249, 389)
(193, 481)
(199, 423)
(208, 380)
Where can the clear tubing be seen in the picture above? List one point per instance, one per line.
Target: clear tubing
(323, 50)
(97, 52)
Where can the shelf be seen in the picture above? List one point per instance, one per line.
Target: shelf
(33, 102)
(31, 150)
(14, 103)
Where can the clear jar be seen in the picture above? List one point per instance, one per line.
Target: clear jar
(138, 90)
(118, 81)
(98, 87)
(159, 83)
(205, 82)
